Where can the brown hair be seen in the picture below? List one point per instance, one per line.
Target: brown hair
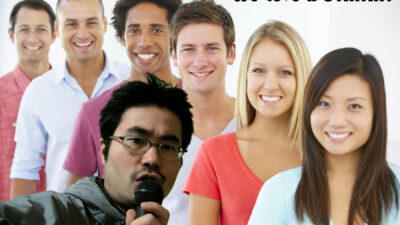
(376, 187)
(202, 11)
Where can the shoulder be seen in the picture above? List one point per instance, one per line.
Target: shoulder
(223, 139)
(5, 81)
(119, 69)
(286, 181)
(98, 102)
(396, 171)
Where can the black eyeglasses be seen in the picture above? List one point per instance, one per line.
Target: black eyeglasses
(139, 145)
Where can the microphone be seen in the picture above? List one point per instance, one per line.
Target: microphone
(147, 191)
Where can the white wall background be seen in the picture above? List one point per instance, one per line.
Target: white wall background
(373, 27)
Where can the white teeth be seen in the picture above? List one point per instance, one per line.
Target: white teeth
(201, 74)
(338, 135)
(146, 56)
(32, 48)
(83, 44)
(270, 99)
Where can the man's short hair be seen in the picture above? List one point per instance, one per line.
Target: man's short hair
(202, 11)
(122, 7)
(100, 1)
(153, 93)
(32, 4)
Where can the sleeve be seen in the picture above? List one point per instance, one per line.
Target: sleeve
(81, 156)
(271, 205)
(30, 138)
(44, 208)
(203, 178)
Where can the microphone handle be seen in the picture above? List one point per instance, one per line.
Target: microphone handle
(140, 212)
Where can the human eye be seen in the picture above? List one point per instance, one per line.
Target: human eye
(285, 72)
(188, 49)
(70, 24)
(135, 141)
(355, 106)
(212, 48)
(323, 103)
(257, 70)
(157, 30)
(168, 148)
(133, 30)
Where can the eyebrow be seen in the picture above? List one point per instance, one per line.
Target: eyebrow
(144, 132)
(151, 25)
(74, 20)
(349, 99)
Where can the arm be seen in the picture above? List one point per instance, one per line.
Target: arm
(21, 186)
(72, 178)
(203, 210)
(157, 215)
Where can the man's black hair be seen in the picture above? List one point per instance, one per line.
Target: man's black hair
(153, 93)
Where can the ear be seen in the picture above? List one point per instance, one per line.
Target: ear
(11, 34)
(102, 147)
(232, 54)
(56, 29)
(174, 59)
(105, 23)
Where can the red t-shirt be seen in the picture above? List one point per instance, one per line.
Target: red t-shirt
(220, 172)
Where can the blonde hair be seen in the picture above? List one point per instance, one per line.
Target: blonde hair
(283, 33)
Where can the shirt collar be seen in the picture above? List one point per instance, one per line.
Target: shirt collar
(110, 69)
(21, 79)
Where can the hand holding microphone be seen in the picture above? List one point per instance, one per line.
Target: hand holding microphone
(151, 212)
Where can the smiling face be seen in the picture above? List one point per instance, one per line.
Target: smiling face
(146, 38)
(202, 57)
(342, 121)
(32, 35)
(81, 27)
(271, 79)
(124, 171)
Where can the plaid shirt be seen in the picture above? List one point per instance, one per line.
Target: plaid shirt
(12, 87)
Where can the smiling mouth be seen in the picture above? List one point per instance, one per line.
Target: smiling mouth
(32, 47)
(338, 136)
(145, 56)
(201, 74)
(83, 44)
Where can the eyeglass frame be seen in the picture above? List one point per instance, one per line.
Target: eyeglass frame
(121, 139)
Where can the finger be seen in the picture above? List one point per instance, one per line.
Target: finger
(130, 216)
(157, 210)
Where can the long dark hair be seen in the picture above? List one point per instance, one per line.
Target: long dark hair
(376, 187)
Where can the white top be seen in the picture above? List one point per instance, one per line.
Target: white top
(177, 202)
(46, 116)
(275, 202)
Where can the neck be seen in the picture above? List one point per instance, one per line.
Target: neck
(270, 128)
(86, 70)
(211, 106)
(34, 69)
(164, 74)
(342, 166)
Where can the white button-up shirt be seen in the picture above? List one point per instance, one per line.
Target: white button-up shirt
(46, 116)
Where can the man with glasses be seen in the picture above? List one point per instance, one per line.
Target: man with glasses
(143, 136)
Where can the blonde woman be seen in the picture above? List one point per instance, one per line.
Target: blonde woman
(230, 169)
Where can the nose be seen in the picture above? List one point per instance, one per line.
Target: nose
(271, 82)
(82, 32)
(337, 117)
(200, 59)
(145, 40)
(150, 158)
(32, 37)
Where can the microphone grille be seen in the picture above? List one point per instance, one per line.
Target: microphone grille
(149, 190)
